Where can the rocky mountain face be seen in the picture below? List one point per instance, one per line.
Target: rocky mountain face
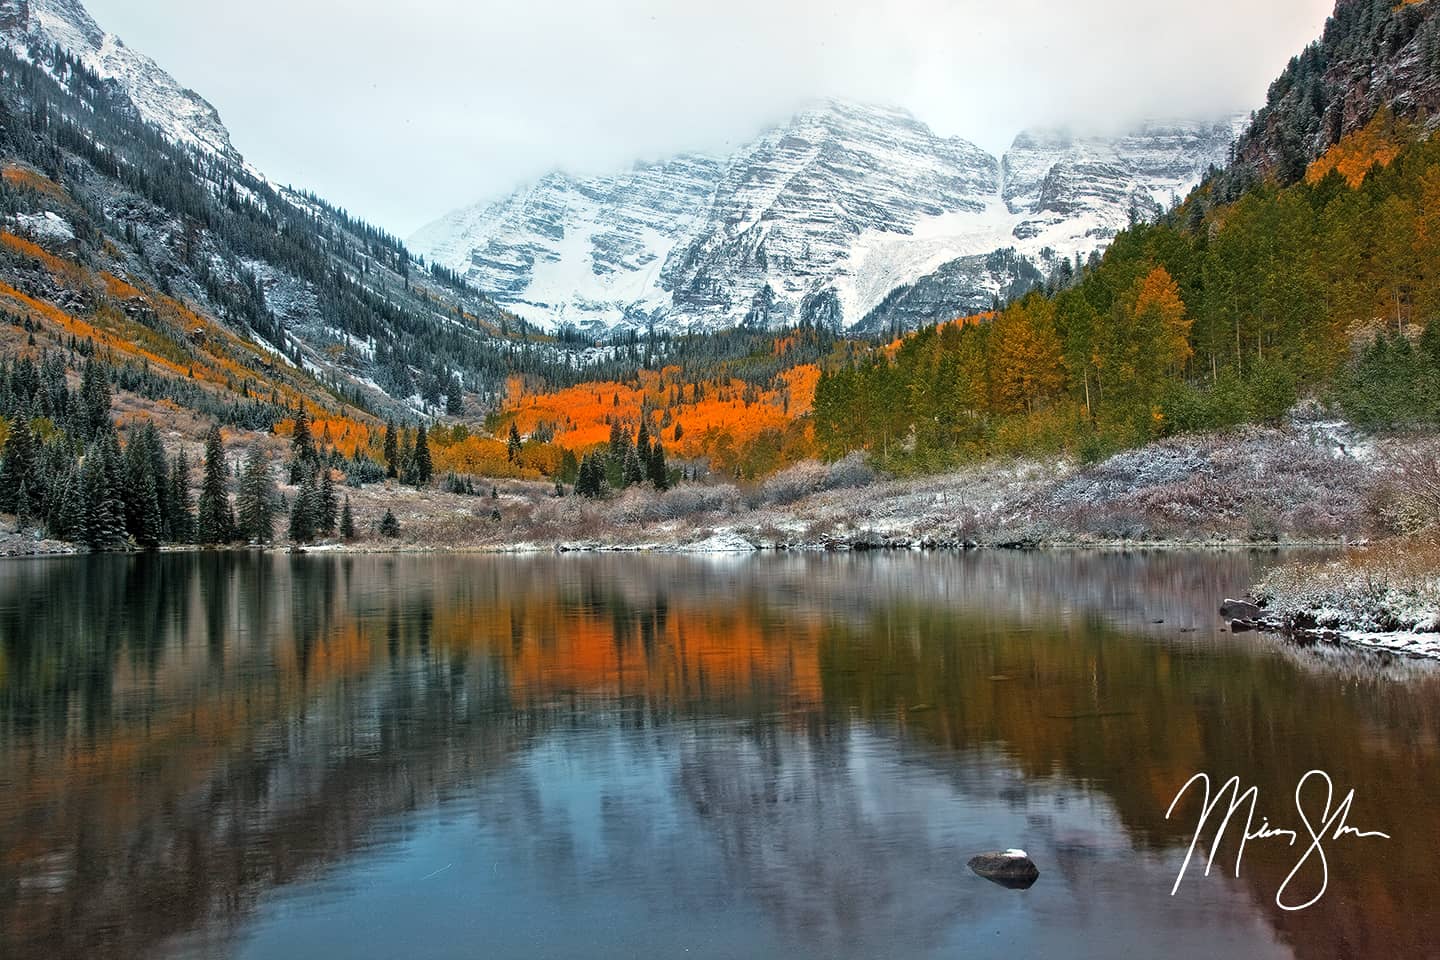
(183, 115)
(839, 217)
(1373, 55)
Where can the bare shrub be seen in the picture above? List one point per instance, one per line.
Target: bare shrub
(1415, 477)
(792, 484)
(853, 470)
(693, 500)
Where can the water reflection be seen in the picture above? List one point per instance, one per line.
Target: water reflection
(368, 756)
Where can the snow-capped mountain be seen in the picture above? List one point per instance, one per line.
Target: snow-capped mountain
(840, 216)
(182, 115)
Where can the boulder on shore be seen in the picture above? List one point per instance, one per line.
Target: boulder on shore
(1240, 610)
(1009, 868)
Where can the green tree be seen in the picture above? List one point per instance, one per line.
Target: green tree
(392, 451)
(258, 499)
(424, 466)
(18, 469)
(181, 519)
(389, 525)
(215, 523)
(658, 472)
(512, 446)
(304, 512)
(327, 506)
(347, 521)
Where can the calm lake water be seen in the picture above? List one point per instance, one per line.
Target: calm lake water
(594, 757)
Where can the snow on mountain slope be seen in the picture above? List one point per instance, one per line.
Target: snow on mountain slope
(182, 115)
(821, 220)
(579, 251)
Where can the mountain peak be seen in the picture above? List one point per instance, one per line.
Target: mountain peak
(181, 114)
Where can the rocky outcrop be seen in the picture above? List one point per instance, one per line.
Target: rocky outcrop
(846, 215)
(1373, 55)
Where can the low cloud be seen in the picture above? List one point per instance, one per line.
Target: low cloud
(401, 112)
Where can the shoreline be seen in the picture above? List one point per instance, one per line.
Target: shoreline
(1296, 488)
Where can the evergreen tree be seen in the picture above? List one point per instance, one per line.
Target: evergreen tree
(424, 466)
(181, 519)
(304, 512)
(302, 444)
(632, 471)
(513, 446)
(18, 469)
(658, 473)
(347, 521)
(68, 521)
(389, 526)
(94, 412)
(303, 458)
(257, 500)
(591, 480)
(104, 514)
(454, 401)
(405, 465)
(642, 442)
(392, 451)
(216, 520)
(327, 507)
(144, 518)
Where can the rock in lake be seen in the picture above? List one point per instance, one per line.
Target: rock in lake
(1239, 610)
(1009, 868)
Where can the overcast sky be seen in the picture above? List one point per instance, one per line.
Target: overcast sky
(401, 111)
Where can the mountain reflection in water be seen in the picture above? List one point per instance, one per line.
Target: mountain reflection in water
(274, 756)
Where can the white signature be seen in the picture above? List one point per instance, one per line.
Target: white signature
(1331, 825)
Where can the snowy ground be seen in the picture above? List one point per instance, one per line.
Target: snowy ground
(1386, 596)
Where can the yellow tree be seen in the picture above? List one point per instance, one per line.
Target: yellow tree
(1025, 359)
(1160, 313)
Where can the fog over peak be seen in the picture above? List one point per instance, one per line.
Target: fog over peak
(402, 112)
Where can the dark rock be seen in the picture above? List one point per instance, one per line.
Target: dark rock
(1009, 868)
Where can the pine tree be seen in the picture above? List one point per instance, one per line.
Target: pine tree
(304, 512)
(392, 451)
(389, 526)
(68, 522)
(347, 521)
(144, 519)
(181, 519)
(642, 442)
(632, 471)
(257, 500)
(658, 473)
(454, 400)
(18, 469)
(327, 507)
(513, 446)
(94, 411)
(215, 522)
(424, 465)
(405, 464)
(104, 514)
(302, 444)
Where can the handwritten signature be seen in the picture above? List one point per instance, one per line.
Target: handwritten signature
(1332, 824)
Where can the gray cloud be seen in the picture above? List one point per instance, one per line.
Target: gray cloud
(401, 112)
